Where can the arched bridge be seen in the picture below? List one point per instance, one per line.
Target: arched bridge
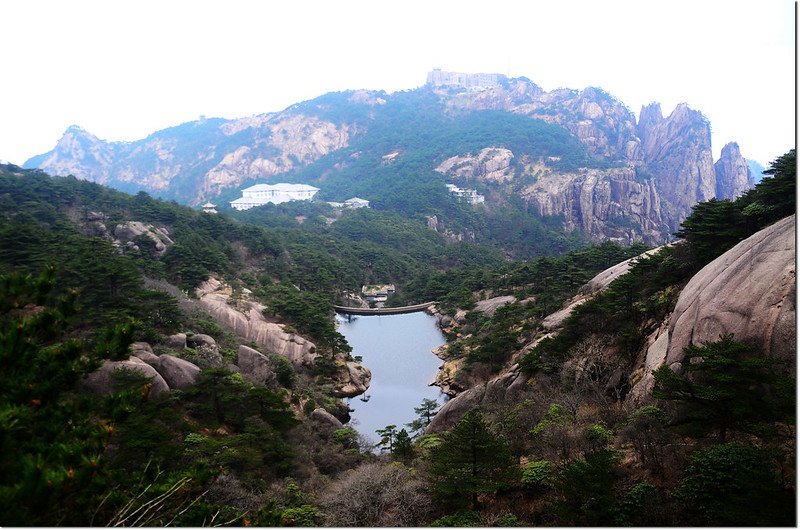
(382, 310)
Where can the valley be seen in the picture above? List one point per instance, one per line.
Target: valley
(614, 324)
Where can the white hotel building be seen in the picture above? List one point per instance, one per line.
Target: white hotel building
(261, 194)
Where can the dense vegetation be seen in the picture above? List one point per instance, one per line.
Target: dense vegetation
(716, 446)
(416, 126)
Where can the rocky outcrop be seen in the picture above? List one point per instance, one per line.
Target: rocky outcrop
(104, 380)
(177, 373)
(247, 321)
(144, 351)
(489, 306)
(126, 232)
(491, 164)
(255, 366)
(353, 380)
(78, 153)
(326, 418)
(289, 141)
(732, 173)
(170, 163)
(615, 204)
(676, 152)
(749, 292)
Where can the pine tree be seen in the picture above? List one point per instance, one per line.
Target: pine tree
(470, 460)
(50, 441)
(727, 387)
(426, 411)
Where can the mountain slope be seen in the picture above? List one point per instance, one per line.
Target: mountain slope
(579, 157)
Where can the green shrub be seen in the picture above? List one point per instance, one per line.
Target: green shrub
(464, 518)
(538, 474)
(305, 515)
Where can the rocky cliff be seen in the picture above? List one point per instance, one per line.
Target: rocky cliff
(195, 161)
(642, 181)
(749, 291)
(732, 172)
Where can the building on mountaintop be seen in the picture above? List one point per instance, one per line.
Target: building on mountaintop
(464, 80)
(209, 207)
(261, 194)
(470, 196)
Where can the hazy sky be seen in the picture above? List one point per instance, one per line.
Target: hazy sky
(123, 69)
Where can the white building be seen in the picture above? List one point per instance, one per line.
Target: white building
(462, 79)
(261, 194)
(355, 202)
(209, 207)
(471, 196)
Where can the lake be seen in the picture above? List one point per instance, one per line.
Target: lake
(397, 350)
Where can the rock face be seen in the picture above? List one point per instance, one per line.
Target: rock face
(160, 236)
(231, 151)
(246, 319)
(654, 171)
(492, 164)
(732, 172)
(255, 366)
(610, 204)
(102, 380)
(326, 418)
(677, 152)
(748, 291)
(248, 322)
(354, 381)
(177, 373)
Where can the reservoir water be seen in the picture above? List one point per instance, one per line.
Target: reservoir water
(397, 350)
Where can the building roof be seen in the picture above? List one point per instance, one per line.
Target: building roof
(209, 205)
(281, 187)
(355, 200)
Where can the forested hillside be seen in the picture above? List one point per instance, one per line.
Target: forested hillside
(127, 398)
(557, 168)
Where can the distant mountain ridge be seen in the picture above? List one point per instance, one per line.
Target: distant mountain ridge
(588, 162)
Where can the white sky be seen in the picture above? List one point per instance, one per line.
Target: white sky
(123, 69)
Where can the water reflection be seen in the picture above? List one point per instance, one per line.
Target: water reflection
(397, 349)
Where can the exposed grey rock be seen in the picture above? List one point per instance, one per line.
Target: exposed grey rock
(144, 351)
(503, 388)
(141, 346)
(255, 366)
(488, 307)
(677, 153)
(353, 380)
(177, 341)
(203, 351)
(605, 204)
(178, 373)
(131, 229)
(749, 291)
(102, 382)
(146, 356)
(200, 340)
(248, 322)
(732, 173)
(323, 416)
